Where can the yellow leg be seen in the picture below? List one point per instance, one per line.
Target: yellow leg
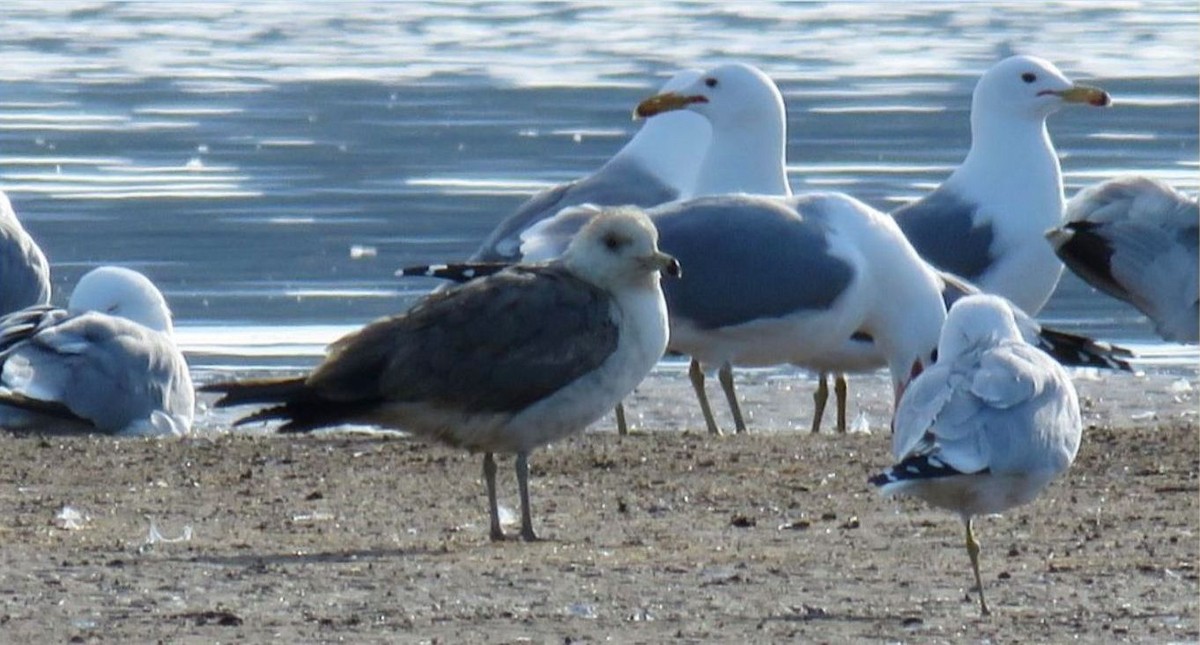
(973, 551)
(839, 389)
(696, 375)
(725, 376)
(820, 398)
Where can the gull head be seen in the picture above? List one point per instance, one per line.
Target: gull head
(1030, 88)
(977, 322)
(726, 94)
(619, 248)
(118, 291)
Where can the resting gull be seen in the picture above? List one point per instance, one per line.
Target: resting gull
(505, 363)
(24, 272)
(987, 427)
(657, 165)
(1135, 238)
(106, 364)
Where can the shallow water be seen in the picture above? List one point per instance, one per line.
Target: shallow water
(269, 165)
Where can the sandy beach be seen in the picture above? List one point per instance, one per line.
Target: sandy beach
(666, 535)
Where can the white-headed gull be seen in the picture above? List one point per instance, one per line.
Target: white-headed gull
(988, 426)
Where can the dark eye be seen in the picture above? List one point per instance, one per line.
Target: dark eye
(1029, 77)
(612, 242)
(710, 81)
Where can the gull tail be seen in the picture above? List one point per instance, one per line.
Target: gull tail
(291, 400)
(1080, 351)
(459, 272)
(896, 479)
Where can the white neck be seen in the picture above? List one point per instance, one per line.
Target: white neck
(1012, 161)
(671, 147)
(745, 160)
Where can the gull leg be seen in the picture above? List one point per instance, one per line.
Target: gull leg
(725, 376)
(973, 551)
(696, 375)
(622, 427)
(820, 397)
(839, 389)
(527, 533)
(489, 478)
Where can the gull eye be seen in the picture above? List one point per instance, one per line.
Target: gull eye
(710, 81)
(1029, 77)
(612, 242)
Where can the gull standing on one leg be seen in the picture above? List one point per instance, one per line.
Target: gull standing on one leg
(988, 426)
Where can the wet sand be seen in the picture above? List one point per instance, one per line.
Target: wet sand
(668, 534)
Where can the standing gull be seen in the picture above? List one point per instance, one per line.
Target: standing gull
(504, 363)
(659, 164)
(24, 272)
(987, 427)
(1135, 239)
(986, 222)
(774, 280)
(107, 363)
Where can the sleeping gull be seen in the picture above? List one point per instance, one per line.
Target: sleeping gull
(987, 427)
(24, 272)
(986, 222)
(1135, 239)
(505, 363)
(657, 165)
(107, 363)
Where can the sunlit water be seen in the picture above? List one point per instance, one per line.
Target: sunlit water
(269, 165)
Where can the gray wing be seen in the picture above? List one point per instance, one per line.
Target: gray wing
(495, 344)
(985, 411)
(748, 258)
(1150, 261)
(618, 182)
(22, 324)
(941, 226)
(24, 272)
(106, 370)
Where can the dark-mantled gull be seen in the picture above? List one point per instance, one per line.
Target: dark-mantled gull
(24, 272)
(505, 363)
(987, 427)
(1135, 239)
(107, 363)
(986, 222)
(657, 165)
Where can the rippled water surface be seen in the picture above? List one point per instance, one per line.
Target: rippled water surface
(270, 164)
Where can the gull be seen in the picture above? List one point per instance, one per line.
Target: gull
(1135, 239)
(107, 363)
(505, 363)
(985, 223)
(658, 165)
(985, 429)
(775, 280)
(24, 272)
